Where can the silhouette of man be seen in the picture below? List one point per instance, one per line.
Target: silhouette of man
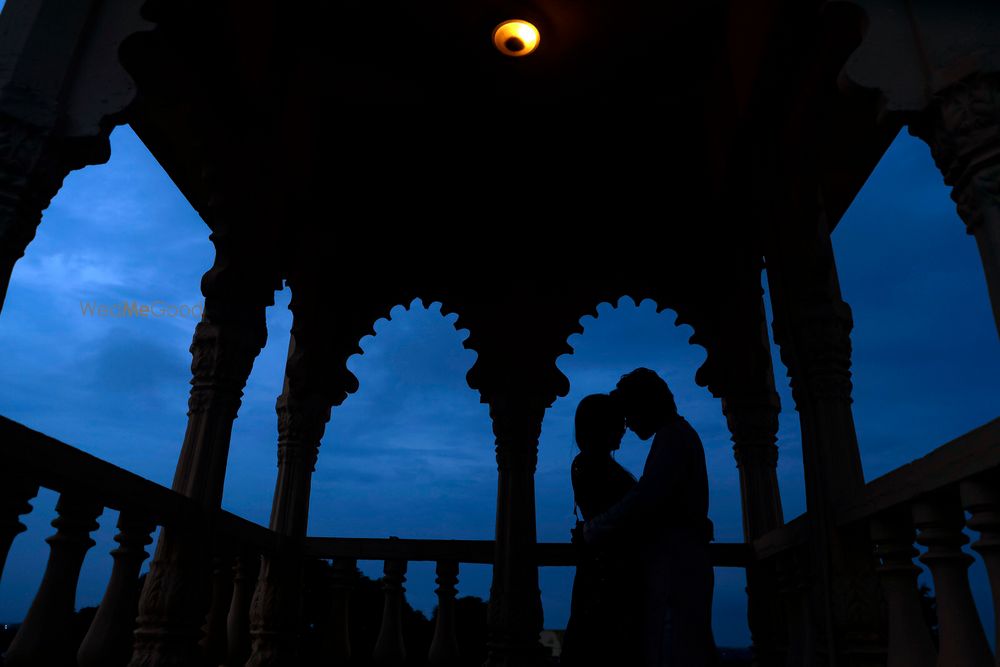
(664, 521)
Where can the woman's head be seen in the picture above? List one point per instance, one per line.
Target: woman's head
(600, 424)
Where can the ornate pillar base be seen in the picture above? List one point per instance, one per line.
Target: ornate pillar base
(176, 597)
(174, 601)
(275, 613)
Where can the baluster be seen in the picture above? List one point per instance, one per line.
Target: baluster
(108, 642)
(337, 638)
(15, 494)
(910, 643)
(238, 622)
(41, 639)
(390, 648)
(962, 640)
(981, 499)
(214, 641)
(790, 576)
(444, 646)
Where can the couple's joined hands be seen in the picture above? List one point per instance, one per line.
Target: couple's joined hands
(577, 539)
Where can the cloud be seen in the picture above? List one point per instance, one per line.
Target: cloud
(412, 453)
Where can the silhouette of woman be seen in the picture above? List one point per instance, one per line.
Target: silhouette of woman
(604, 623)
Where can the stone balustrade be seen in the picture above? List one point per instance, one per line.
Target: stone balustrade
(88, 485)
(930, 503)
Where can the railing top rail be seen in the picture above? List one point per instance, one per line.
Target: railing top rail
(55, 465)
(974, 453)
(792, 534)
(552, 554)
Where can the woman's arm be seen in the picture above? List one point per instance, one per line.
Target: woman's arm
(648, 503)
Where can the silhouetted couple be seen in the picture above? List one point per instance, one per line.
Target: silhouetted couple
(643, 588)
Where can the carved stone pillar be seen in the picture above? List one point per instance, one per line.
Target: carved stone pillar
(753, 424)
(41, 638)
(109, 640)
(518, 329)
(276, 608)
(812, 326)
(303, 411)
(515, 607)
(754, 428)
(177, 593)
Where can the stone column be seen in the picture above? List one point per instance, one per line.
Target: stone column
(812, 325)
(303, 411)
(518, 329)
(177, 592)
(753, 423)
(515, 607)
(276, 608)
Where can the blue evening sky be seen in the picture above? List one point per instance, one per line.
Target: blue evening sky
(411, 454)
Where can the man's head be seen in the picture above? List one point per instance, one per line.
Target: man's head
(646, 401)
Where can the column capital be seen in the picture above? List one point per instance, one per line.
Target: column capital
(221, 359)
(517, 427)
(819, 361)
(301, 424)
(753, 425)
(962, 128)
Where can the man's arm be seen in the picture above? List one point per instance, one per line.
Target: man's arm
(648, 501)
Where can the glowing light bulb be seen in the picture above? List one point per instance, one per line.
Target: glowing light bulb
(515, 38)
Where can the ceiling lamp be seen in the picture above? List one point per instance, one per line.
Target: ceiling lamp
(515, 38)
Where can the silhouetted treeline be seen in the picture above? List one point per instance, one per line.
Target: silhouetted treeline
(365, 614)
